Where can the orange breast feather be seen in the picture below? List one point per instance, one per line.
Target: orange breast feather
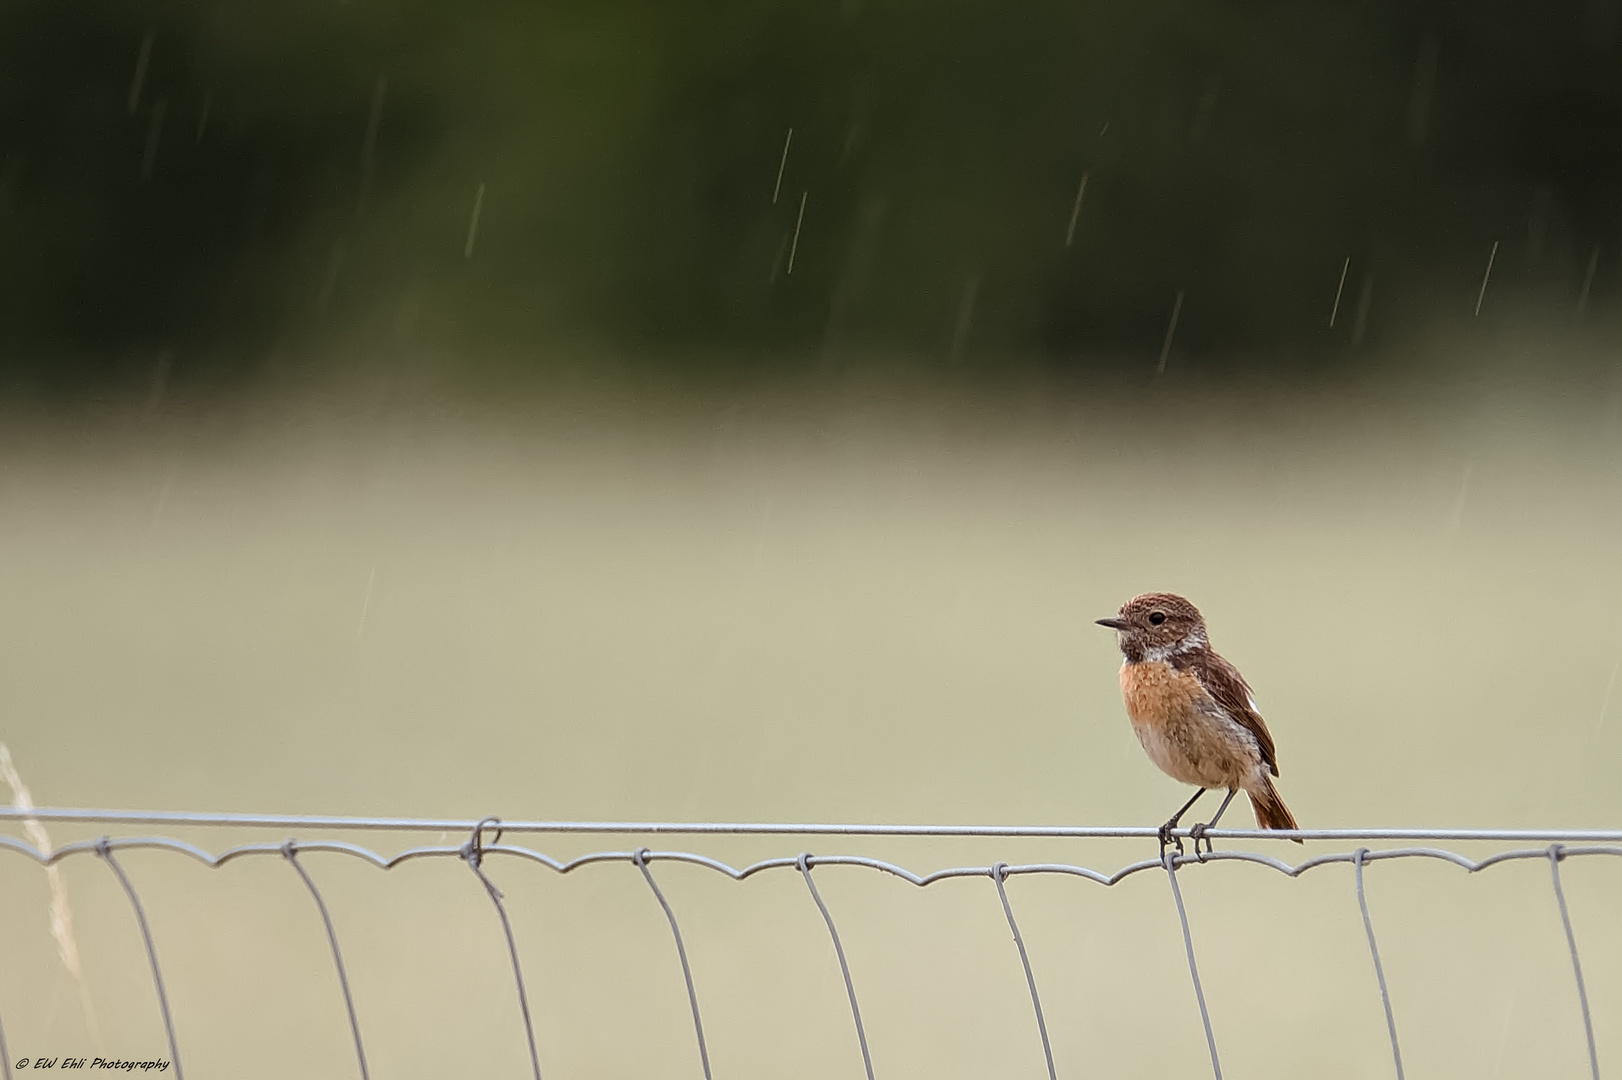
(1156, 694)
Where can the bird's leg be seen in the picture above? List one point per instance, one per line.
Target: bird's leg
(1198, 831)
(1166, 837)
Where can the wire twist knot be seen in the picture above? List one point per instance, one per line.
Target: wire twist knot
(473, 850)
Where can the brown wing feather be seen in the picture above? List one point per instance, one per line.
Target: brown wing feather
(1229, 689)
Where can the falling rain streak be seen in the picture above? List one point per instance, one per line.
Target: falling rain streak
(141, 62)
(1605, 705)
(160, 381)
(777, 260)
(1588, 280)
(1345, 266)
(202, 115)
(1075, 211)
(154, 132)
(1365, 298)
(366, 603)
(781, 165)
(329, 284)
(794, 245)
(1171, 330)
(473, 224)
(1482, 295)
(965, 316)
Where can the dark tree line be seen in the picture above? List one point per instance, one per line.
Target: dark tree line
(218, 183)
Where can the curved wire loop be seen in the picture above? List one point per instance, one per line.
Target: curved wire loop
(1556, 854)
(739, 873)
(1379, 969)
(104, 848)
(804, 864)
(998, 873)
(290, 852)
(472, 853)
(1169, 860)
(639, 858)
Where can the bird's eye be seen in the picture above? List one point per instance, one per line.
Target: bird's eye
(1157, 617)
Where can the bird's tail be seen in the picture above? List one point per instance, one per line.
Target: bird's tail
(1271, 813)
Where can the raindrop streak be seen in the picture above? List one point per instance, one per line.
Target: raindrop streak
(1460, 501)
(202, 118)
(777, 260)
(163, 494)
(136, 83)
(1345, 266)
(965, 314)
(366, 602)
(1503, 1038)
(1486, 277)
(794, 245)
(1165, 350)
(152, 134)
(1075, 211)
(329, 284)
(1605, 705)
(1588, 280)
(473, 225)
(1364, 299)
(781, 165)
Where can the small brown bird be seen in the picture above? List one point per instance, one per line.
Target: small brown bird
(1193, 712)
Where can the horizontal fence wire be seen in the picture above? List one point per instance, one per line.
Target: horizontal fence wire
(1556, 847)
(755, 828)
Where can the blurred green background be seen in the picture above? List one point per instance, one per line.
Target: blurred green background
(194, 192)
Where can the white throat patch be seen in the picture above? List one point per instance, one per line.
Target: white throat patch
(1192, 643)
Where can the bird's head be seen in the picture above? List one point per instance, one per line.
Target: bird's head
(1158, 626)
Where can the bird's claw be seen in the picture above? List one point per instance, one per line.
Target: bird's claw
(1168, 840)
(1197, 834)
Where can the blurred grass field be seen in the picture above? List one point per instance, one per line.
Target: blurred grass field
(861, 602)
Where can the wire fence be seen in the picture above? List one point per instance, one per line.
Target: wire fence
(484, 842)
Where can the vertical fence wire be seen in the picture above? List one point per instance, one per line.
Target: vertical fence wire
(104, 848)
(473, 854)
(1169, 860)
(1556, 853)
(290, 851)
(998, 873)
(804, 864)
(640, 858)
(1379, 969)
(474, 850)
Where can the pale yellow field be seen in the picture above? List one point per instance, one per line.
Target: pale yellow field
(860, 604)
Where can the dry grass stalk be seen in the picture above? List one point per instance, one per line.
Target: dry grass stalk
(61, 914)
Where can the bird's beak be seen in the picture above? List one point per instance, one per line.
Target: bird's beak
(1113, 624)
